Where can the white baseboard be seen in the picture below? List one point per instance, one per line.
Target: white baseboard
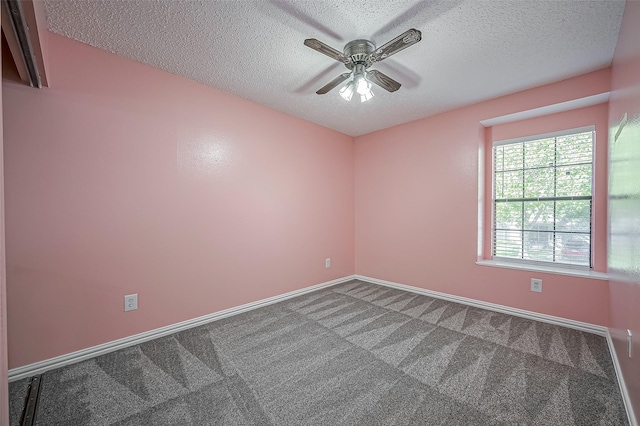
(564, 322)
(623, 387)
(81, 355)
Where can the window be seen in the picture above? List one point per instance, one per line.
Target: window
(542, 204)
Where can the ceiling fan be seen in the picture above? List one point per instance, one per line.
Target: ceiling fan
(358, 56)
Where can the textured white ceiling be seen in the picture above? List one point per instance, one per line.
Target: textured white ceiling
(471, 50)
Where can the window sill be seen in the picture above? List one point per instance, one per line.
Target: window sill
(545, 269)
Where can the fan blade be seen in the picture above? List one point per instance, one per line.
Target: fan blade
(383, 80)
(409, 78)
(404, 40)
(325, 49)
(333, 83)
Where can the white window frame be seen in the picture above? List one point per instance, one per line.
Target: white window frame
(535, 264)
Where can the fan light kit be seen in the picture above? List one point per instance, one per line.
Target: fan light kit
(358, 56)
(359, 84)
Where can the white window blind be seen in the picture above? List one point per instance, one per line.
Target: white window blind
(542, 199)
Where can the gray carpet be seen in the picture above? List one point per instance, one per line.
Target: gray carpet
(352, 354)
(17, 400)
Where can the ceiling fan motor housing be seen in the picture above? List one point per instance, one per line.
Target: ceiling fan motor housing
(359, 51)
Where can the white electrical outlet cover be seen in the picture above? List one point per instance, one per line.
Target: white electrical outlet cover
(327, 262)
(536, 285)
(130, 302)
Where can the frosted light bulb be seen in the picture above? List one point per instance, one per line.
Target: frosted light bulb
(363, 86)
(347, 91)
(366, 96)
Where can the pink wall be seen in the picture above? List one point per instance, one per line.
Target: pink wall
(125, 179)
(417, 205)
(624, 204)
(4, 391)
